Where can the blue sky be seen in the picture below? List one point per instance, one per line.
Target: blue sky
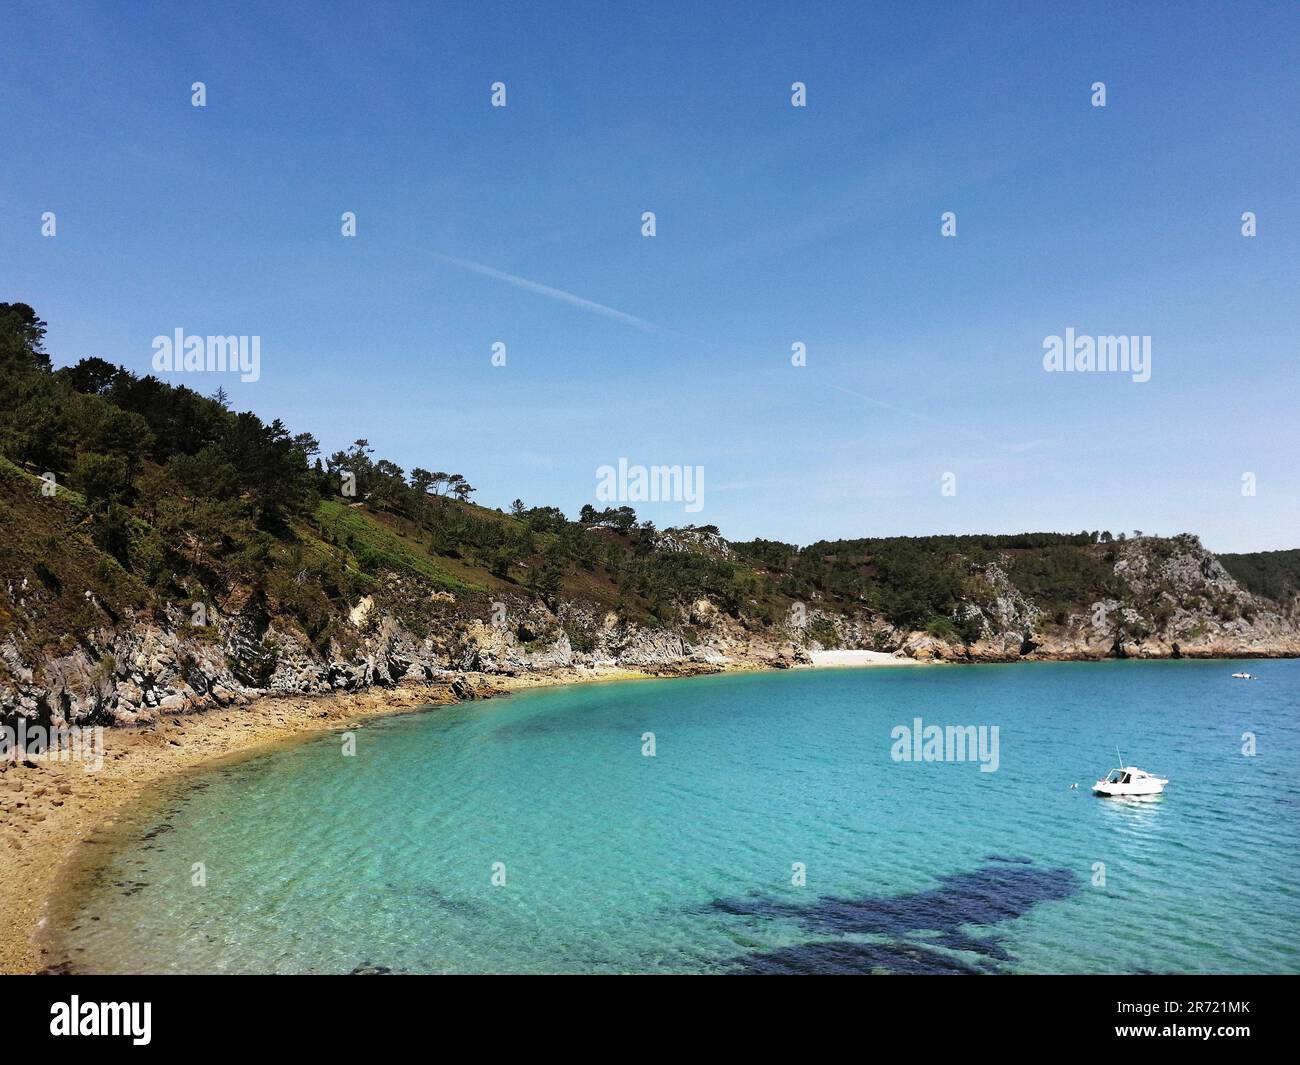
(775, 225)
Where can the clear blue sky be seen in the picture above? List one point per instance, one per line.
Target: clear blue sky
(775, 225)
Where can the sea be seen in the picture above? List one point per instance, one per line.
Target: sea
(788, 822)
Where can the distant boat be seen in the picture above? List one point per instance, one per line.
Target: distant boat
(1244, 676)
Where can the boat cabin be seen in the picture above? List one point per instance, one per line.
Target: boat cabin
(1127, 775)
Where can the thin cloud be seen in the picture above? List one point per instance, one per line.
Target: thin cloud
(550, 292)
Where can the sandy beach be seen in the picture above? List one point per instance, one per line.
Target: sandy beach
(51, 812)
(822, 659)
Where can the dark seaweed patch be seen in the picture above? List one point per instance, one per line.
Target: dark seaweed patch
(1000, 890)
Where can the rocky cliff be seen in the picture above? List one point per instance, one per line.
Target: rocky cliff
(1173, 599)
(161, 552)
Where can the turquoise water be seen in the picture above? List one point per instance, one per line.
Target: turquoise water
(682, 862)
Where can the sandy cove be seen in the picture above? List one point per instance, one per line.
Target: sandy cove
(51, 811)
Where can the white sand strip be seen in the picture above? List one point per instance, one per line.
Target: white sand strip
(860, 658)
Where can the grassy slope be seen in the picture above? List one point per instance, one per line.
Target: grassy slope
(379, 542)
(48, 544)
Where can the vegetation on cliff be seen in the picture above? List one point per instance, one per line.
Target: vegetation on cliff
(125, 494)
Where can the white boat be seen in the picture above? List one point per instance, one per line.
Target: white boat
(1128, 781)
(1244, 676)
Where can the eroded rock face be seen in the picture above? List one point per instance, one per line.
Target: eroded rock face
(1006, 616)
(704, 541)
(133, 673)
(1176, 601)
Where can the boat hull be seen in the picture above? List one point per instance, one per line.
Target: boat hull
(1128, 791)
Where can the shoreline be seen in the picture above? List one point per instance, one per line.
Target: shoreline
(861, 660)
(56, 818)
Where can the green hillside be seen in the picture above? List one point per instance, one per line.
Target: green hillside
(165, 498)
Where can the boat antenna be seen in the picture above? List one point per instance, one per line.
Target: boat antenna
(1121, 757)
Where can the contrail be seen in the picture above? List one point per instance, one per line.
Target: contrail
(548, 291)
(889, 406)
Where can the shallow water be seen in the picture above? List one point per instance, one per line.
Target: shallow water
(682, 862)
